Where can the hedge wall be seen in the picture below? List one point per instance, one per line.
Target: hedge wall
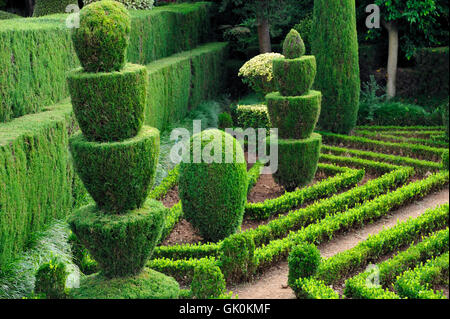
(35, 53)
(182, 81)
(35, 167)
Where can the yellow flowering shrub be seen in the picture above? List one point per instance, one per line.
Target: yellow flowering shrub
(258, 73)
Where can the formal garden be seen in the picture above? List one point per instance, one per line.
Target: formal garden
(226, 149)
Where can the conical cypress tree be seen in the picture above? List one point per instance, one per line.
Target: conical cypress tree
(335, 45)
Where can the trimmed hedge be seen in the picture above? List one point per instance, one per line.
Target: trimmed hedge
(46, 7)
(4, 15)
(294, 116)
(118, 175)
(109, 106)
(32, 79)
(297, 161)
(335, 45)
(102, 38)
(310, 288)
(401, 139)
(253, 116)
(445, 161)
(213, 191)
(208, 282)
(294, 77)
(120, 244)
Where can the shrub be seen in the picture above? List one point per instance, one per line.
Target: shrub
(258, 73)
(303, 261)
(294, 77)
(7, 15)
(109, 106)
(335, 45)
(225, 121)
(213, 194)
(445, 161)
(294, 116)
(130, 4)
(293, 46)
(237, 257)
(45, 7)
(297, 162)
(208, 282)
(117, 175)
(51, 279)
(121, 244)
(253, 116)
(304, 28)
(101, 40)
(445, 112)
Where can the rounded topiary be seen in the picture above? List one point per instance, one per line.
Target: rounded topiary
(294, 116)
(294, 77)
(303, 262)
(208, 282)
(51, 279)
(335, 45)
(45, 7)
(109, 106)
(101, 40)
(213, 192)
(121, 244)
(293, 46)
(297, 161)
(117, 175)
(148, 284)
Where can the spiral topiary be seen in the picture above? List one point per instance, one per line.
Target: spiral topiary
(213, 191)
(102, 39)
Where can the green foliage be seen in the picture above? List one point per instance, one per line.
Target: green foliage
(46, 7)
(213, 194)
(81, 256)
(297, 161)
(130, 4)
(432, 64)
(293, 46)
(208, 282)
(109, 106)
(51, 279)
(118, 175)
(303, 261)
(101, 40)
(225, 120)
(121, 244)
(310, 288)
(7, 15)
(445, 113)
(304, 28)
(294, 77)
(237, 259)
(387, 137)
(337, 68)
(294, 116)
(253, 116)
(148, 284)
(445, 161)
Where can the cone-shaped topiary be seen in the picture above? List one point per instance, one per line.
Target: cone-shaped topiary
(293, 46)
(213, 191)
(335, 45)
(109, 106)
(121, 244)
(101, 40)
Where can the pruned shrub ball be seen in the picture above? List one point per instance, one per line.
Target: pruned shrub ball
(303, 262)
(213, 192)
(101, 40)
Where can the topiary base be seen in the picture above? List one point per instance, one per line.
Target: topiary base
(121, 244)
(149, 284)
(294, 77)
(109, 106)
(294, 116)
(297, 161)
(117, 175)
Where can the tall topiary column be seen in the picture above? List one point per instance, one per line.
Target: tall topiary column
(116, 157)
(335, 45)
(295, 110)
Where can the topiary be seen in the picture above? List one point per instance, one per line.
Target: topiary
(130, 4)
(335, 45)
(445, 160)
(213, 184)
(109, 106)
(121, 244)
(51, 279)
(208, 282)
(253, 116)
(303, 262)
(118, 175)
(45, 7)
(225, 121)
(294, 77)
(101, 40)
(293, 46)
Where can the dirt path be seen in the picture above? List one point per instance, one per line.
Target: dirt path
(273, 283)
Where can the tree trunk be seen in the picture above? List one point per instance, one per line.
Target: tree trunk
(392, 58)
(263, 28)
(30, 7)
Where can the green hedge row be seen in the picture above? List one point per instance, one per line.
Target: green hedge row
(398, 128)
(397, 139)
(338, 267)
(180, 82)
(35, 53)
(378, 168)
(331, 224)
(430, 247)
(311, 288)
